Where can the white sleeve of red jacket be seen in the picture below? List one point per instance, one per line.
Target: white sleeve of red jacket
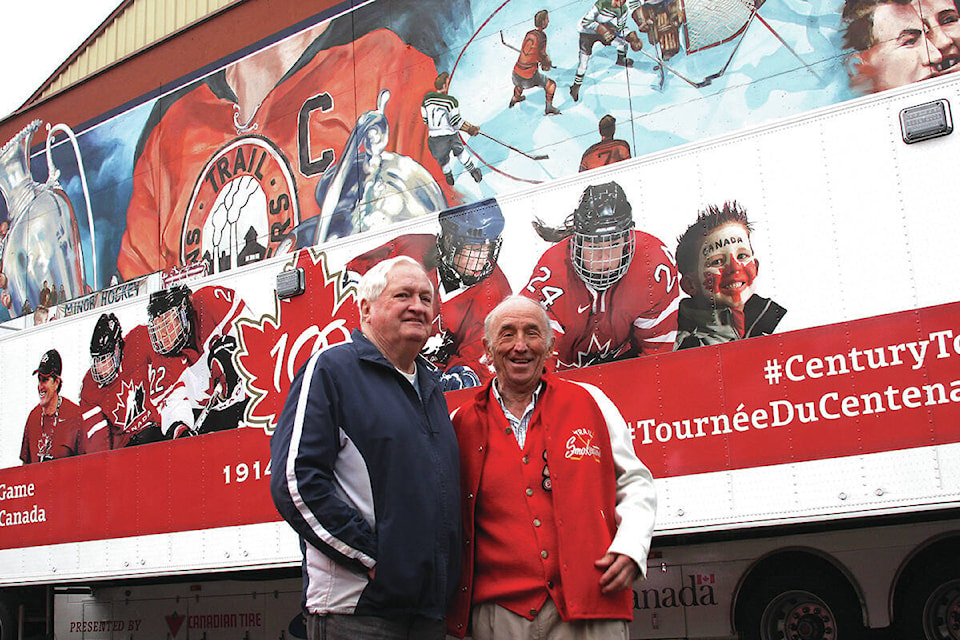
(636, 494)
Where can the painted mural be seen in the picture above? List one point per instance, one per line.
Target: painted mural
(403, 108)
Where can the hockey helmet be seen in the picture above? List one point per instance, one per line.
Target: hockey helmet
(106, 349)
(603, 241)
(469, 241)
(170, 322)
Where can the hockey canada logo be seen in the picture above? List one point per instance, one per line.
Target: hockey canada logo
(244, 203)
(580, 446)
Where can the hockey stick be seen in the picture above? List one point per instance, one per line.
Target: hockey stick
(633, 133)
(788, 47)
(664, 65)
(523, 153)
(506, 44)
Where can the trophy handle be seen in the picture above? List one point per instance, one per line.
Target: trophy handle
(53, 175)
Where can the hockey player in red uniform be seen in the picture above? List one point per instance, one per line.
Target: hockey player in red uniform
(608, 150)
(56, 427)
(119, 383)
(262, 132)
(196, 384)
(610, 290)
(533, 57)
(462, 265)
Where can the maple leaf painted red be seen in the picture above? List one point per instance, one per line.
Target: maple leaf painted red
(273, 348)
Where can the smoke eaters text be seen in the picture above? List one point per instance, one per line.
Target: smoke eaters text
(781, 413)
(16, 518)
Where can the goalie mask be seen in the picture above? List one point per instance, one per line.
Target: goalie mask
(171, 320)
(106, 349)
(603, 242)
(469, 242)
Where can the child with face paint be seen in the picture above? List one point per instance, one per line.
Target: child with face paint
(718, 271)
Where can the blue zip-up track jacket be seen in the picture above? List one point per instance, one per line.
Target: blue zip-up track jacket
(368, 475)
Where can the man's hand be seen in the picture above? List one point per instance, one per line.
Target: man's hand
(619, 572)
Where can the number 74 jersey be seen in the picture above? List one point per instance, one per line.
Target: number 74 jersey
(636, 316)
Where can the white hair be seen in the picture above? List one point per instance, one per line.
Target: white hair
(374, 281)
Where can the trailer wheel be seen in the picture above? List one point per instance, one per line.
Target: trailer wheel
(932, 611)
(8, 624)
(799, 609)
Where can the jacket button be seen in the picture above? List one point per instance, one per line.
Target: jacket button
(469, 496)
(526, 459)
(459, 626)
(463, 589)
(549, 584)
(529, 491)
(509, 430)
(536, 522)
(533, 612)
(466, 542)
(544, 554)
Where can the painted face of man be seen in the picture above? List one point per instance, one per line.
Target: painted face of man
(913, 42)
(472, 259)
(47, 388)
(728, 269)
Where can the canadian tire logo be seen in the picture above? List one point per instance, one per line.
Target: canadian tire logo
(174, 622)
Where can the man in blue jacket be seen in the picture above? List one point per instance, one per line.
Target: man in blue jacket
(365, 469)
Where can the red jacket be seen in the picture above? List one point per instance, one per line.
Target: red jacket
(587, 472)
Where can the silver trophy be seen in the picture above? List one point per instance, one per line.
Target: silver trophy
(42, 245)
(371, 187)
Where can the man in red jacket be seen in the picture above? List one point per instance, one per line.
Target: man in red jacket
(558, 511)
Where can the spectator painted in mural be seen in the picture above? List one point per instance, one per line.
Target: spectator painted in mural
(718, 270)
(609, 290)
(56, 427)
(461, 264)
(268, 132)
(900, 41)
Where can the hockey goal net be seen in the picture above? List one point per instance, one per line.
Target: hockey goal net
(712, 22)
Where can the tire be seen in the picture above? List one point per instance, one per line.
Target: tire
(931, 611)
(800, 608)
(8, 623)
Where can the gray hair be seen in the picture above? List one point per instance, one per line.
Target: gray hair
(542, 318)
(374, 281)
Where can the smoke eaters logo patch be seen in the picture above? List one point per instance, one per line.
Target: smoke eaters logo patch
(580, 445)
(243, 204)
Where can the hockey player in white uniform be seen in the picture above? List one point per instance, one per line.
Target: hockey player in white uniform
(441, 114)
(606, 22)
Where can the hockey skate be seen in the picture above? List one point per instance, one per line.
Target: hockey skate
(514, 101)
(623, 60)
(449, 177)
(575, 92)
(476, 175)
(551, 110)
